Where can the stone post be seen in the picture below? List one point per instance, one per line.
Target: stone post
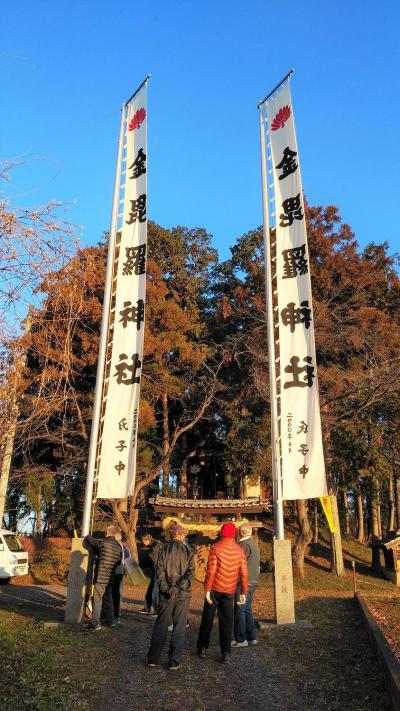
(78, 582)
(283, 582)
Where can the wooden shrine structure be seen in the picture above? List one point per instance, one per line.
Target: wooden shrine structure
(203, 518)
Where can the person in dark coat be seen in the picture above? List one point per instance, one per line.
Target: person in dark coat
(119, 574)
(152, 597)
(244, 627)
(174, 571)
(109, 555)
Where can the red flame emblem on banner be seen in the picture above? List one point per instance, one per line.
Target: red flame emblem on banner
(281, 118)
(138, 119)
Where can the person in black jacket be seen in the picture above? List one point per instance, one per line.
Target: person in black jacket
(152, 597)
(174, 570)
(119, 574)
(109, 555)
(244, 625)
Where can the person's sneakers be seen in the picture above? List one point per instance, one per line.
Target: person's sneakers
(117, 620)
(225, 658)
(112, 625)
(170, 628)
(173, 666)
(187, 625)
(239, 644)
(153, 664)
(252, 642)
(94, 628)
(201, 652)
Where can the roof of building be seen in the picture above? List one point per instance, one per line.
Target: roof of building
(392, 540)
(217, 506)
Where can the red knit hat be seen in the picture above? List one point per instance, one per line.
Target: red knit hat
(228, 530)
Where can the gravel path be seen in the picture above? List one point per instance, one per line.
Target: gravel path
(328, 666)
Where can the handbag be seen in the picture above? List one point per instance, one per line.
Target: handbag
(133, 572)
(120, 569)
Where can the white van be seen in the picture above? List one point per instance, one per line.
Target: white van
(13, 557)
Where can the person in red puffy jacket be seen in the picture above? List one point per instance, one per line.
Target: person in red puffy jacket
(226, 567)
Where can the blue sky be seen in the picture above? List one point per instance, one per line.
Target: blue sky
(67, 66)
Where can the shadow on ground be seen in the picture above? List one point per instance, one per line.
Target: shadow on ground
(37, 602)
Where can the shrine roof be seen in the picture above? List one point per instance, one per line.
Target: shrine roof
(392, 540)
(217, 506)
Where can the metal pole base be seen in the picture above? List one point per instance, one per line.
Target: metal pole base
(283, 582)
(77, 582)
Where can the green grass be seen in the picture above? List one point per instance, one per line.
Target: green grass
(33, 672)
(318, 577)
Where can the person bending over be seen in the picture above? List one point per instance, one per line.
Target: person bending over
(109, 554)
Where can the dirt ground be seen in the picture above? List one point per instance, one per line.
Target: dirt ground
(326, 665)
(387, 614)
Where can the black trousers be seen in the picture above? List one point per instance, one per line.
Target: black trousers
(102, 603)
(223, 602)
(152, 596)
(170, 611)
(116, 595)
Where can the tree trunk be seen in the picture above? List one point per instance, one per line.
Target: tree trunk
(165, 441)
(376, 553)
(303, 539)
(38, 511)
(315, 534)
(184, 469)
(293, 512)
(360, 519)
(397, 497)
(5, 465)
(131, 533)
(9, 443)
(378, 509)
(127, 523)
(346, 513)
(336, 541)
(367, 520)
(391, 503)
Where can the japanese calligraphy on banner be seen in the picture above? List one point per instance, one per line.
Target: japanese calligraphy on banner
(303, 468)
(118, 429)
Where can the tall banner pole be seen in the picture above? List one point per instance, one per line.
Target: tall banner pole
(124, 280)
(276, 463)
(116, 453)
(298, 460)
(301, 450)
(283, 574)
(98, 394)
(116, 398)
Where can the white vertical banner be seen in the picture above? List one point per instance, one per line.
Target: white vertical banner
(302, 464)
(116, 463)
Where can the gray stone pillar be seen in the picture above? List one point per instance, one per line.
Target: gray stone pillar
(78, 582)
(283, 582)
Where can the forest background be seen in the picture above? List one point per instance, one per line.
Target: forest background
(205, 372)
